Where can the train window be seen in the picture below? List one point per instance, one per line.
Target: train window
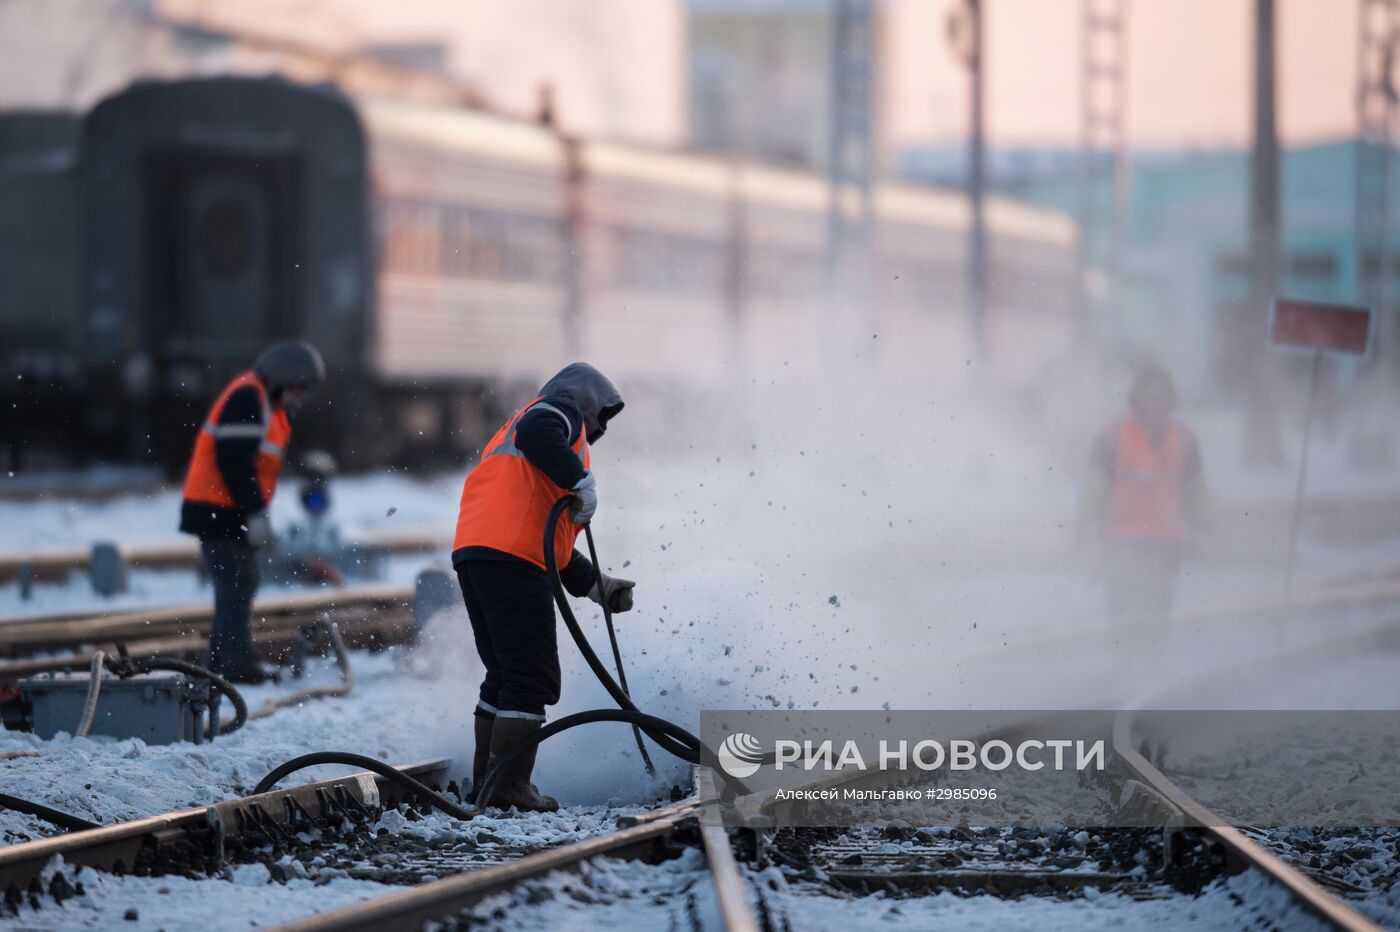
(226, 237)
(667, 263)
(412, 237)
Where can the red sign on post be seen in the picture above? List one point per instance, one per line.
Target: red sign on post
(1312, 325)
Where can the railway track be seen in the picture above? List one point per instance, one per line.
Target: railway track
(1189, 849)
(368, 617)
(48, 565)
(200, 840)
(1030, 867)
(375, 616)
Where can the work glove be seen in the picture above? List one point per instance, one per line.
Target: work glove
(614, 590)
(585, 499)
(257, 530)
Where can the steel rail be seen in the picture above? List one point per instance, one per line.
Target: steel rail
(1239, 847)
(363, 630)
(758, 810)
(124, 844)
(650, 835)
(57, 563)
(735, 911)
(410, 909)
(371, 607)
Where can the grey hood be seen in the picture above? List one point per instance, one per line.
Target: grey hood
(588, 388)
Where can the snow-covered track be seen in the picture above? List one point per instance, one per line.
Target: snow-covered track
(199, 840)
(368, 616)
(1242, 852)
(652, 839)
(654, 836)
(1190, 848)
(41, 565)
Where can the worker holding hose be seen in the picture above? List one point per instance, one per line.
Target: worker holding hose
(1145, 490)
(540, 454)
(238, 456)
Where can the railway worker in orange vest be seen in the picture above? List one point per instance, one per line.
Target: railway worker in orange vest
(1146, 491)
(539, 455)
(238, 455)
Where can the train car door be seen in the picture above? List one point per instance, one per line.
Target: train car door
(223, 267)
(224, 232)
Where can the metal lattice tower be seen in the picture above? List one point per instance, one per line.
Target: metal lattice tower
(1102, 112)
(1379, 23)
(851, 151)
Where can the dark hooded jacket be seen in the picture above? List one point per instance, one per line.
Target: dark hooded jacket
(588, 401)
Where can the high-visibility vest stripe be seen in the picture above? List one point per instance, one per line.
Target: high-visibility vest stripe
(204, 483)
(506, 499)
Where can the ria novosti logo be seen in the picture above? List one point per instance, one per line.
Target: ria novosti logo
(741, 755)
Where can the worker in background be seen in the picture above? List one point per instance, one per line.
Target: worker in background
(540, 454)
(238, 455)
(1145, 496)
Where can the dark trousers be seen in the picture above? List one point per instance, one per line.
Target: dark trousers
(512, 613)
(233, 568)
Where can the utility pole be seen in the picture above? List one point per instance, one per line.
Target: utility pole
(851, 149)
(1379, 31)
(1263, 441)
(1103, 99)
(965, 38)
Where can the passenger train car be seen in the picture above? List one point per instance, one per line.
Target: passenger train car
(445, 259)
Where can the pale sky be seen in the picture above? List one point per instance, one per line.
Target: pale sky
(619, 65)
(1190, 64)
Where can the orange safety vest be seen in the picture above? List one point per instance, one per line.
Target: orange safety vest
(1147, 498)
(506, 501)
(204, 483)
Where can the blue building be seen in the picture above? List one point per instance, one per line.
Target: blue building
(1184, 288)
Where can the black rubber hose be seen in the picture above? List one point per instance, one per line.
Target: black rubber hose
(691, 755)
(669, 736)
(240, 707)
(648, 723)
(617, 651)
(367, 763)
(62, 819)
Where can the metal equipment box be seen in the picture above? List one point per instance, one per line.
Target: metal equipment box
(157, 707)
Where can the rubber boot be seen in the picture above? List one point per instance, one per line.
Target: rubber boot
(515, 788)
(481, 754)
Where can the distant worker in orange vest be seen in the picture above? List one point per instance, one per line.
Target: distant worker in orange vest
(238, 455)
(1146, 492)
(538, 456)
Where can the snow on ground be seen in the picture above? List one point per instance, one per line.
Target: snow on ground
(246, 899)
(1244, 901)
(622, 896)
(799, 551)
(815, 544)
(252, 894)
(617, 896)
(386, 500)
(397, 716)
